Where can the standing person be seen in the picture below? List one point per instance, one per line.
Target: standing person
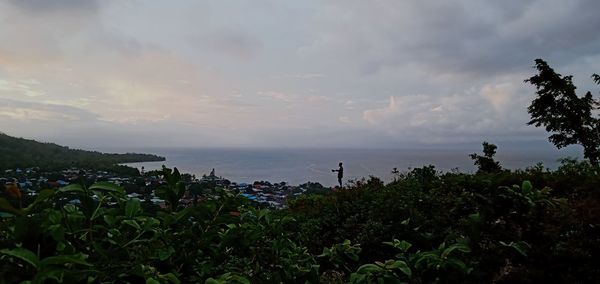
(340, 174)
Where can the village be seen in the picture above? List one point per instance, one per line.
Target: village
(25, 184)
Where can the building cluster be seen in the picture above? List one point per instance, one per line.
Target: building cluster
(264, 193)
(26, 183)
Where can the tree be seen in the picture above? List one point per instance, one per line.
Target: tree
(564, 114)
(486, 163)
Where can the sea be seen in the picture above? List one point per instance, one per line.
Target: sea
(297, 166)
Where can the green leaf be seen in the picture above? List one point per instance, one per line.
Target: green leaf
(163, 254)
(262, 213)
(170, 277)
(75, 188)
(132, 223)
(71, 209)
(403, 245)
(458, 264)
(22, 254)
(526, 185)
(132, 207)
(109, 219)
(105, 186)
(457, 247)
(62, 259)
(152, 281)
(520, 246)
(368, 268)
(54, 217)
(402, 266)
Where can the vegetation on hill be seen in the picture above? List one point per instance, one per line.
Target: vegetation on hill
(23, 153)
(530, 226)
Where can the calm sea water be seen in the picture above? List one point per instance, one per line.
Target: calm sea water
(296, 166)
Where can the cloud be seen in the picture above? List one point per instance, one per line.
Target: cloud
(491, 110)
(232, 44)
(27, 87)
(445, 37)
(345, 119)
(31, 111)
(44, 6)
(277, 96)
(305, 76)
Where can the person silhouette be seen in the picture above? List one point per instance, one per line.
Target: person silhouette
(340, 174)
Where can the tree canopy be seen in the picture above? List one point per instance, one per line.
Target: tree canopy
(486, 163)
(568, 117)
(23, 153)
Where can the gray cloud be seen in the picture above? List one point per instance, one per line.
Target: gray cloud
(460, 36)
(45, 6)
(23, 110)
(341, 73)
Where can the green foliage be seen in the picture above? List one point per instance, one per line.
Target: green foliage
(426, 227)
(341, 254)
(23, 153)
(569, 117)
(486, 163)
(174, 190)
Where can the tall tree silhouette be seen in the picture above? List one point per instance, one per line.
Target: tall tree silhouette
(564, 114)
(486, 163)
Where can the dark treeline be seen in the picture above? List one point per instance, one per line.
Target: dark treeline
(23, 153)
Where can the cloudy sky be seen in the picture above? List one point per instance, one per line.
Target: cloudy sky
(284, 73)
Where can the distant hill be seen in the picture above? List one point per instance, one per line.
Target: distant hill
(23, 153)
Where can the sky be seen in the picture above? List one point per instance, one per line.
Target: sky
(349, 73)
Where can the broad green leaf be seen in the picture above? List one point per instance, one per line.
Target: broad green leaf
(402, 266)
(62, 259)
(163, 254)
(457, 247)
(109, 219)
(132, 207)
(107, 187)
(240, 279)
(170, 277)
(521, 246)
(368, 268)
(262, 213)
(75, 188)
(526, 186)
(54, 216)
(70, 208)
(132, 223)
(22, 254)
(152, 281)
(150, 222)
(357, 278)
(403, 245)
(457, 263)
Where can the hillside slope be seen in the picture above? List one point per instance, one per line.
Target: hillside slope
(22, 153)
